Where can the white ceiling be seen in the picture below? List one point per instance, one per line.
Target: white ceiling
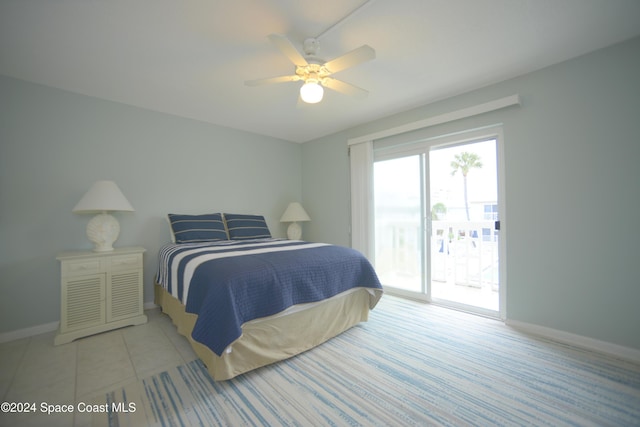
(190, 58)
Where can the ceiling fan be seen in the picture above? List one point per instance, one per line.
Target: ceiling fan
(316, 73)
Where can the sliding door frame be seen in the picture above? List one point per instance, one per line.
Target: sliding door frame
(423, 148)
(493, 132)
(361, 165)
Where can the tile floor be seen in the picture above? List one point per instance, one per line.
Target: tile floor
(33, 370)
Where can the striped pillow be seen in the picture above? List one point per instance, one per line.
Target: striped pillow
(242, 227)
(197, 228)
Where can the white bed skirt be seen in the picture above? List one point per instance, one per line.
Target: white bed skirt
(278, 337)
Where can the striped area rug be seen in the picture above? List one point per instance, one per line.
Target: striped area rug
(410, 365)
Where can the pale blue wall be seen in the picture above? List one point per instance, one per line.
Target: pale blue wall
(572, 154)
(572, 187)
(55, 144)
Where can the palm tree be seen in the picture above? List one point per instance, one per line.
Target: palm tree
(464, 162)
(437, 209)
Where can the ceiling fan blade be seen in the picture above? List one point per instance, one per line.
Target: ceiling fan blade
(346, 88)
(350, 59)
(286, 47)
(281, 79)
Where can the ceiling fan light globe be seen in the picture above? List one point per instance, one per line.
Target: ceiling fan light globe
(311, 93)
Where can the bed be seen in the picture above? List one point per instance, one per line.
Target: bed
(245, 300)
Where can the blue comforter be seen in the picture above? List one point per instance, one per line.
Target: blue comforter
(232, 282)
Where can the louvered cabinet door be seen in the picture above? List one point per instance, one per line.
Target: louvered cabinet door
(82, 302)
(124, 287)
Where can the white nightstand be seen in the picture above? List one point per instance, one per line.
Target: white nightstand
(100, 291)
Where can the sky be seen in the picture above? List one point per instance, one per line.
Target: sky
(397, 181)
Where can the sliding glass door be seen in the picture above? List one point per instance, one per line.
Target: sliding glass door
(436, 216)
(463, 197)
(399, 222)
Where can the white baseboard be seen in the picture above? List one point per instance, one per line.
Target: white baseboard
(28, 332)
(619, 351)
(46, 327)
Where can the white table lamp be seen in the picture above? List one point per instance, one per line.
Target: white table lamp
(295, 213)
(103, 229)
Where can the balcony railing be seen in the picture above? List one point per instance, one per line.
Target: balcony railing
(465, 252)
(464, 259)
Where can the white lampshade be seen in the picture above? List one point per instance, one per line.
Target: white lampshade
(311, 92)
(294, 213)
(103, 196)
(103, 229)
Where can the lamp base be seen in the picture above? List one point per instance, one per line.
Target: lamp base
(294, 231)
(102, 231)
